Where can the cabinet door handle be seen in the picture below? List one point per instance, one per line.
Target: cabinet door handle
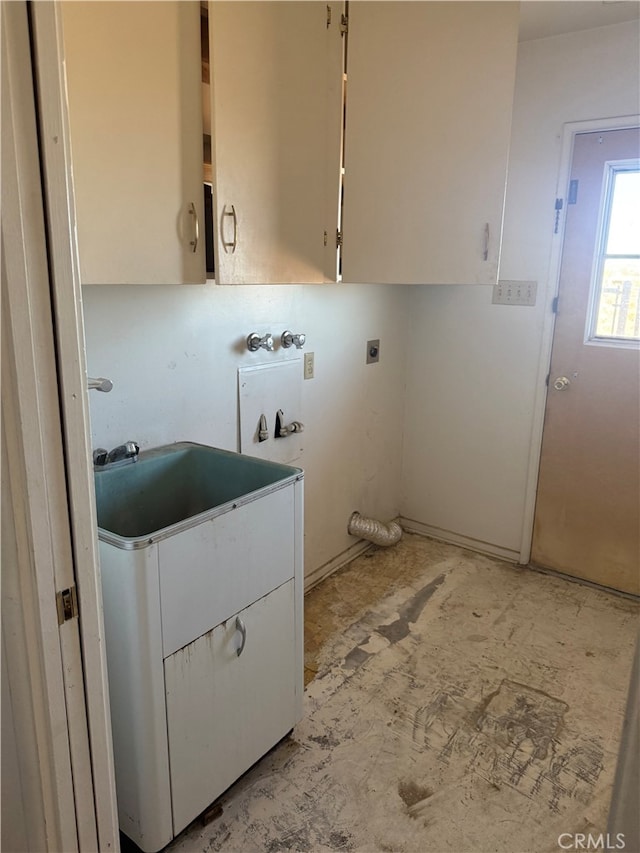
(487, 237)
(196, 227)
(240, 626)
(230, 247)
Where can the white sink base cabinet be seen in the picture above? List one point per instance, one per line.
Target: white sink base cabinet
(188, 722)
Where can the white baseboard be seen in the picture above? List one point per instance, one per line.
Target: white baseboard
(335, 563)
(452, 538)
(411, 526)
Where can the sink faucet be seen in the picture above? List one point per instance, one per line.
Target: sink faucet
(282, 429)
(122, 453)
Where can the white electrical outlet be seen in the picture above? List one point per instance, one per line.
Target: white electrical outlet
(507, 292)
(308, 365)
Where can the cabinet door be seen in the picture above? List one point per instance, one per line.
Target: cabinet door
(133, 80)
(226, 710)
(429, 101)
(276, 83)
(222, 565)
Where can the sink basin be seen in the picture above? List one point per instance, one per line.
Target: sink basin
(176, 486)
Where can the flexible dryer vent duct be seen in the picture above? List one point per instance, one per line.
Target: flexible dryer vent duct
(374, 531)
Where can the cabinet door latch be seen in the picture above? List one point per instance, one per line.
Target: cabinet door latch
(66, 604)
(344, 25)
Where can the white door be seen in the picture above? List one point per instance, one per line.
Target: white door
(587, 518)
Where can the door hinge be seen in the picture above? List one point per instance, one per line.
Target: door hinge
(66, 604)
(558, 208)
(554, 304)
(326, 239)
(338, 239)
(344, 25)
(328, 16)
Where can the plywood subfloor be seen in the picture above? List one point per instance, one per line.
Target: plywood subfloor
(453, 703)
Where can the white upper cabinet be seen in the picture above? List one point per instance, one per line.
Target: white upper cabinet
(276, 80)
(428, 118)
(428, 115)
(133, 79)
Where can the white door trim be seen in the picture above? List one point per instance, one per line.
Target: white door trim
(36, 550)
(553, 284)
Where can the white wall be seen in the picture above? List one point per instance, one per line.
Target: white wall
(472, 373)
(173, 353)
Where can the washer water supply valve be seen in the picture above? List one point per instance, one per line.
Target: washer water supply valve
(288, 339)
(255, 342)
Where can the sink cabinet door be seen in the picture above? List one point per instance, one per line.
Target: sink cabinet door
(224, 710)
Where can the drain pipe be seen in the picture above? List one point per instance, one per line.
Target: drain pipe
(374, 531)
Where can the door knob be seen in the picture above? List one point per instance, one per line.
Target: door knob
(561, 383)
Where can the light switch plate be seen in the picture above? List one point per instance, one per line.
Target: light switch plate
(507, 292)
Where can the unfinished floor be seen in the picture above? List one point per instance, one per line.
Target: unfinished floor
(453, 703)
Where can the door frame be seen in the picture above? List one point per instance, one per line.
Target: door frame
(48, 424)
(570, 130)
(50, 78)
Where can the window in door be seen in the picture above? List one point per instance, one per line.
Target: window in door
(614, 318)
